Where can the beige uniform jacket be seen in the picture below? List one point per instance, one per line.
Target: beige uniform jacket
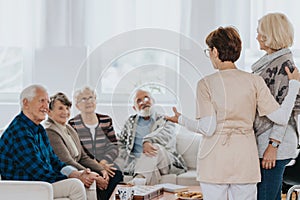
(230, 155)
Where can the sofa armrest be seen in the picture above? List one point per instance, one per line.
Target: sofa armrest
(19, 190)
(187, 145)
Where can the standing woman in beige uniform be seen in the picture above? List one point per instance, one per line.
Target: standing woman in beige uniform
(228, 163)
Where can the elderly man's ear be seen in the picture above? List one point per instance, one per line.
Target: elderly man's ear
(25, 102)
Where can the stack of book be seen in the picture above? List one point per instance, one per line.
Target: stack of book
(146, 192)
(143, 192)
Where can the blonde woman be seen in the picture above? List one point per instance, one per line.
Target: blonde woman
(277, 144)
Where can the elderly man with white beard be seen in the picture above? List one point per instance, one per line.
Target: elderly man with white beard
(147, 143)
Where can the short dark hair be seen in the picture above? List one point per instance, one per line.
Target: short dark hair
(59, 97)
(227, 41)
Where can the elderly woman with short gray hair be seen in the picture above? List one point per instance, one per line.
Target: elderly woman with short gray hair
(66, 144)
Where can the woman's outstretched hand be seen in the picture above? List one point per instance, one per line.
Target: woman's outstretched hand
(174, 118)
(294, 75)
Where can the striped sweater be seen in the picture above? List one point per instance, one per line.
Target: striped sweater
(104, 145)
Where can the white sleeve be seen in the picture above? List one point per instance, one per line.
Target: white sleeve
(205, 125)
(67, 170)
(282, 115)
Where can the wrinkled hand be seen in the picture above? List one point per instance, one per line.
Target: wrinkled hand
(293, 76)
(87, 177)
(174, 118)
(269, 158)
(109, 167)
(105, 175)
(101, 183)
(149, 149)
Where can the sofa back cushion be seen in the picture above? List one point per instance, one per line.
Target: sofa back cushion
(188, 145)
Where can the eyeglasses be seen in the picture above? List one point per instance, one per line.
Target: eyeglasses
(207, 52)
(145, 99)
(89, 99)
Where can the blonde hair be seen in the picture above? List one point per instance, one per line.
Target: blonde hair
(276, 30)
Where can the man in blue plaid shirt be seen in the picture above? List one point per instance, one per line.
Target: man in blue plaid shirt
(26, 153)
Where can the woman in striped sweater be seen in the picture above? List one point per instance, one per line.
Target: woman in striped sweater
(96, 132)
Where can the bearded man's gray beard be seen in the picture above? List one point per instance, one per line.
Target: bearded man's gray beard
(146, 112)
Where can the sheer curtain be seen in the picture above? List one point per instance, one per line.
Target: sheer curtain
(12, 24)
(28, 25)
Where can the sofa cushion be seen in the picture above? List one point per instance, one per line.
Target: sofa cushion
(187, 145)
(169, 178)
(189, 178)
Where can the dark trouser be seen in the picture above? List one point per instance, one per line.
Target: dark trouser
(271, 181)
(105, 194)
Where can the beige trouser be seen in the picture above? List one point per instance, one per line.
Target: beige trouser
(73, 189)
(153, 167)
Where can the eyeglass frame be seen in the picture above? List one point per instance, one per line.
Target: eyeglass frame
(85, 100)
(143, 100)
(207, 52)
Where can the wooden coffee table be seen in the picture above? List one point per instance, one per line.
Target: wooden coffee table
(165, 196)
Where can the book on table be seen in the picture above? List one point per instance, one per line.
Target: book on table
(174, 188)
(145, 192)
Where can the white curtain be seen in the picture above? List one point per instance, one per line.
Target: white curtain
(11, 22)
(40, 23)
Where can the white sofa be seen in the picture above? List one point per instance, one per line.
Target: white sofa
(187, 145)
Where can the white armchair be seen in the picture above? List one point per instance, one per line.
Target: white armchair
(35, 190)
(25, 190)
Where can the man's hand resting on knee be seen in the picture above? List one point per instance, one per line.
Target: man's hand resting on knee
(149, 149)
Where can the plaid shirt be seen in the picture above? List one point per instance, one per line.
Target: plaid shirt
(26, 153)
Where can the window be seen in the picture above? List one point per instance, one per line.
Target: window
(118, 62)
(11, 67)
(149, 67)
